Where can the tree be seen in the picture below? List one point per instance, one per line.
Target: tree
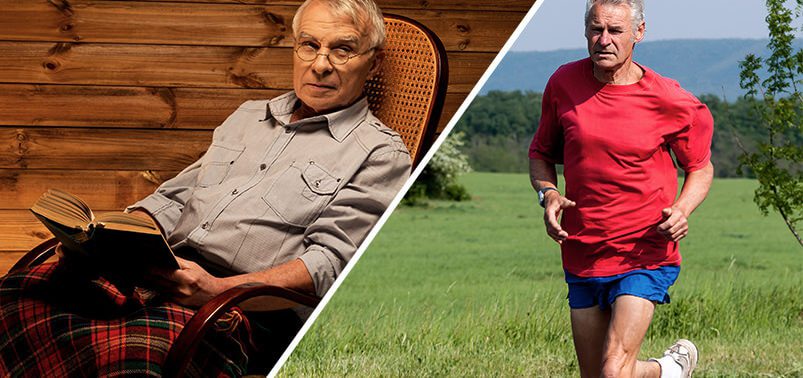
(777, 161)
(438, 180)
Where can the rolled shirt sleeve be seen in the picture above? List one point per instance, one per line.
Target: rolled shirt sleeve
(335, 236)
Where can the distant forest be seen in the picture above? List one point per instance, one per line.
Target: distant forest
(500, 125)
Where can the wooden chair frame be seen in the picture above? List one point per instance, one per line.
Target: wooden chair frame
(183, 348)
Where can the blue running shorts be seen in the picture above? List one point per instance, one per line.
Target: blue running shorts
(649, 284)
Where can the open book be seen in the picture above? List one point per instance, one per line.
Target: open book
(115, 242)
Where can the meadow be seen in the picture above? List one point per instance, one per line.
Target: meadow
(476, 289)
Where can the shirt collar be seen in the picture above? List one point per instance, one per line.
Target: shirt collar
(340, 123)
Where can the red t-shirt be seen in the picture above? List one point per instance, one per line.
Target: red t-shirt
(615, 142)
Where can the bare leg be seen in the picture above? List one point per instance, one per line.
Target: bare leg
(630, 319)
(589, 327)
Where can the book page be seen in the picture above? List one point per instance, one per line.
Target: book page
(72, 200)
(126, 222)
(63, 208)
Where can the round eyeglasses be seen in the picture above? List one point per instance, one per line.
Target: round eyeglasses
(308, 53)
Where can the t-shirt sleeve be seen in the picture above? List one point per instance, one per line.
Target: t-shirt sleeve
(692, 144)
(547, 144)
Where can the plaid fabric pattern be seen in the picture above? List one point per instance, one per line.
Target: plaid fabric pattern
(57, 326)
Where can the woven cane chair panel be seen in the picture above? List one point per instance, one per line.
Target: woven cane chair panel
(402, 93)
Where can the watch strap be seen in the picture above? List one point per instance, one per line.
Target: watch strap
(542, 192)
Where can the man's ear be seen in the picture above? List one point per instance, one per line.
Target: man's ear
(379, 56)
(642, 27)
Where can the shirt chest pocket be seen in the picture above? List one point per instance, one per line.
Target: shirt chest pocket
(217, 162)
(300, 193)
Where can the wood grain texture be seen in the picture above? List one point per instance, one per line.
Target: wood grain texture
(216, 24)
(143, 65)
(469, 31)
(100, 149)
(388, 5)
(146, 23)
(118, 107)
(452, 102)
(135, 107)
(102, 190)
(465, 69)
(20, 231)
(473, 5)
(8, 259)
(178, 66)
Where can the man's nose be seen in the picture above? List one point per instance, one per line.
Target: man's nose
(321, 64)
(604, 38)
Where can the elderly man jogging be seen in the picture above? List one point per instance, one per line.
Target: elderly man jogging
(612, 123)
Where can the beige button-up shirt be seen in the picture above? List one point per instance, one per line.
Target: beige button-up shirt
(268, 191)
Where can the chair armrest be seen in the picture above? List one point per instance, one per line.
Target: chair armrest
(35, 256)
(250, 294)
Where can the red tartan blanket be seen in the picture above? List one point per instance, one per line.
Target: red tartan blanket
(55, 326)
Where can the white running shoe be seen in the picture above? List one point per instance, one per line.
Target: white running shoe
(684, 352)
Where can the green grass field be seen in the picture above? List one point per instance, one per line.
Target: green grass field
(476, 289)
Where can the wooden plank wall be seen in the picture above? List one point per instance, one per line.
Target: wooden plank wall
(107, 98)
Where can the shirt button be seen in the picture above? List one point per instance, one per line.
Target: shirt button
(205, 225)
(287, 130)
(262, 166)
(234, 192)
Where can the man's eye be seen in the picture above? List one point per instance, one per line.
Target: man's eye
(342, 52)
(309, 44)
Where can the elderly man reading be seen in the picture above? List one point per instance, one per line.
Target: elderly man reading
(284, 195)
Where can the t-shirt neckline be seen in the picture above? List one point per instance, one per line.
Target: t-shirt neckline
(643, 84)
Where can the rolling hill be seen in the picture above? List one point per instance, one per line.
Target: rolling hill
(701, 66)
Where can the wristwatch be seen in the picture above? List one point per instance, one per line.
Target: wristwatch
(542, 192)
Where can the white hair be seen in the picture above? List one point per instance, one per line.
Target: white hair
(365, 14)
(636, 10)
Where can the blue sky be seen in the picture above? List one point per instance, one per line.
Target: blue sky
(559, 23)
